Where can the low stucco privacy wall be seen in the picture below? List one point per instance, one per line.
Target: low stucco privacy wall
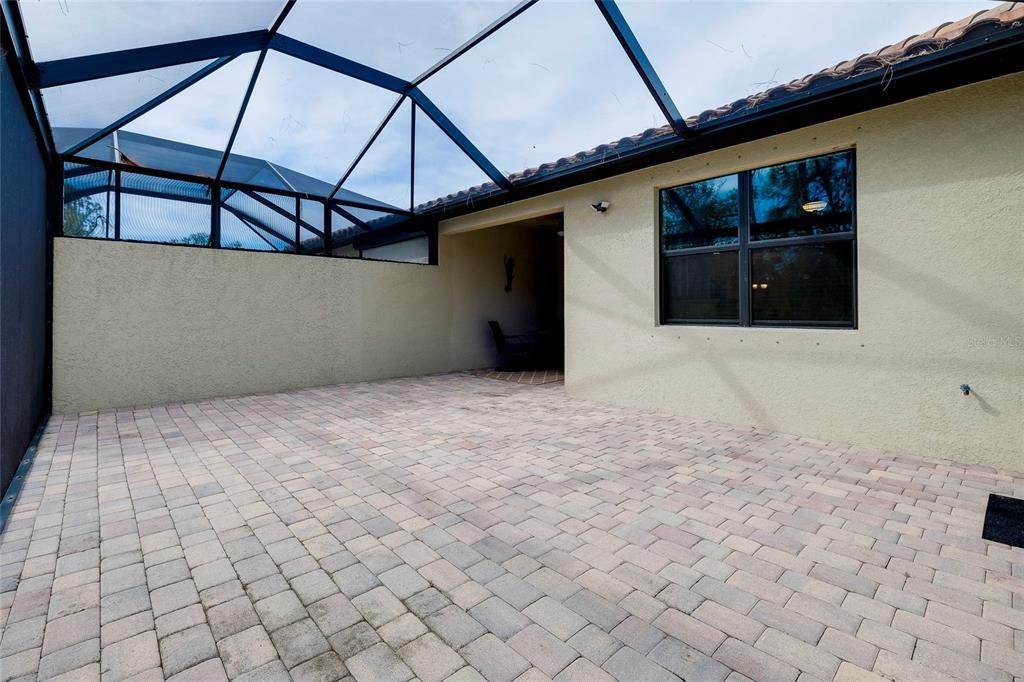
(144, 323)
(940, 266)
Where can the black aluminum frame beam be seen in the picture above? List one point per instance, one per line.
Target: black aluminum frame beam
(348, 216)
(97, 164)
(338, 64)
(24, 77)
(245, 221)
(635, 51)
(284, 213)
(119, 62)
(224, 48)
(246, 218)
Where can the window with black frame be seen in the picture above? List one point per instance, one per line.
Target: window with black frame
(773, 246)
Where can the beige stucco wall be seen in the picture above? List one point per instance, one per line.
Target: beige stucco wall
(940, 219)
(143, 323)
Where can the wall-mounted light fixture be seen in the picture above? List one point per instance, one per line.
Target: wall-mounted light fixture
(601, 206)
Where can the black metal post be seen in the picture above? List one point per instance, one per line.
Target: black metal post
(117, 204)
(328, 230)
(298, 225)
(412, 156)
(744, 253)
(432, 244)
(106, 216)
(215, 216)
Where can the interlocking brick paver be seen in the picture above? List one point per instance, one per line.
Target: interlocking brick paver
(688, 663)
(456, 627)
(379, 606)
(246, 651)
(754, 663)
(283, 608)
(130, 656)
(352, 640)
(281, 536)
(299, 642)
(627, 664)
(187, 648)
(231, 617)
(71, 658)
(815, 661)
(211, 670)
(179, 620)
(333, 614)
(378, 664)
(402, 630)
(430, 658)
(499, 617)
(542, 649)
(683, 627)
(26, 634)
(494, 659)
(355, 580)
(595, 644)
(596, 609)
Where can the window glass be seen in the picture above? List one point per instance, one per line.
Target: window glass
(805, 284)
(701, 287)
(702, 213)
(802, 198)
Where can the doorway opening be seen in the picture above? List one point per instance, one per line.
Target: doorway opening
(518, 293)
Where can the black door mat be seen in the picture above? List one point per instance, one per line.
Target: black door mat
(1004, 520)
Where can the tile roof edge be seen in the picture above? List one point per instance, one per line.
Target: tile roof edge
(1005, 15)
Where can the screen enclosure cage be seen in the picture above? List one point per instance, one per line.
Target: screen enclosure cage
(336, 127)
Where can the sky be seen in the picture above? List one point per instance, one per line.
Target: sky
(552, 82)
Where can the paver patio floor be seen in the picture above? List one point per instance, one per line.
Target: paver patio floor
(456, 527)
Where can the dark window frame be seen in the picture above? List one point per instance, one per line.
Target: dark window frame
(745, 246)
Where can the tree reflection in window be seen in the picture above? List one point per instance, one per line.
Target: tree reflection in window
(803, 198)
(702, 213)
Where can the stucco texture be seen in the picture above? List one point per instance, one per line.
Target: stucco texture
(142, 323)
(940, 250)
